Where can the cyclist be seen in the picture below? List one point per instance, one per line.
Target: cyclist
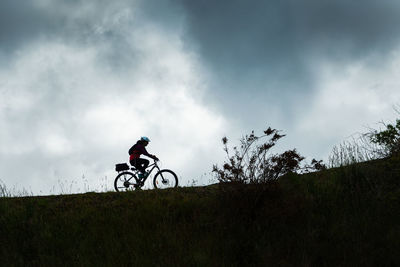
(139, 163)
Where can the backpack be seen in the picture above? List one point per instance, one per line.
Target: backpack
(132, 149)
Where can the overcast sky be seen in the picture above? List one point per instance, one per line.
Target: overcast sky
(82, 80)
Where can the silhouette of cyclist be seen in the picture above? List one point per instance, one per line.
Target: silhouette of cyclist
(135, 151)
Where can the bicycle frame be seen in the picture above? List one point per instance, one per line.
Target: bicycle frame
(155, 166)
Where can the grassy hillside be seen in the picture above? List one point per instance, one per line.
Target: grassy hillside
(348, 216)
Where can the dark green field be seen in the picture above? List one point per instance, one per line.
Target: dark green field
(347, 216)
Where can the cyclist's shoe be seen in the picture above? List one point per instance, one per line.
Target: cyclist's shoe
(139, 184)
(141, 175)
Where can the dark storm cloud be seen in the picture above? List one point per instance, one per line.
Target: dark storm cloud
(267, 44)
(272, 45)
(20, 22)
(85, 23)
(348, 29)
(74, 22)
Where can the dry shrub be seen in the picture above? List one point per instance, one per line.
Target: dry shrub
(253, 163)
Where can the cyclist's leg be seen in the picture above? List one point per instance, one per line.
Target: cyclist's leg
(136, 163)
(140, 164)
(145, 163)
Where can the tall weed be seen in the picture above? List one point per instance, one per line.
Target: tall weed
(351, 152)
(3, 190)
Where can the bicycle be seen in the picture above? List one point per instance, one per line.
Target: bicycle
(128, 179)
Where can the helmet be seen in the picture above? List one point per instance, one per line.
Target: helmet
(144, 138)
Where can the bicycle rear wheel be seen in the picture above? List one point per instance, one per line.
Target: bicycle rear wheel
(165, 179)
(125, 181)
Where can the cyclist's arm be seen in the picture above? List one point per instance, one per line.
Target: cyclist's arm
(152, 156)
(144, 152)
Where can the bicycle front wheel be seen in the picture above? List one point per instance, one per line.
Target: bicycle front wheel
(125, 181)
(165, 179)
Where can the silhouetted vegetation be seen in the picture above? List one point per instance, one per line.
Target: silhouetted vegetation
(372, 145)
(252, 162)
(388, 139)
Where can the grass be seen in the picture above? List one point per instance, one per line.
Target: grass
(344, 216)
